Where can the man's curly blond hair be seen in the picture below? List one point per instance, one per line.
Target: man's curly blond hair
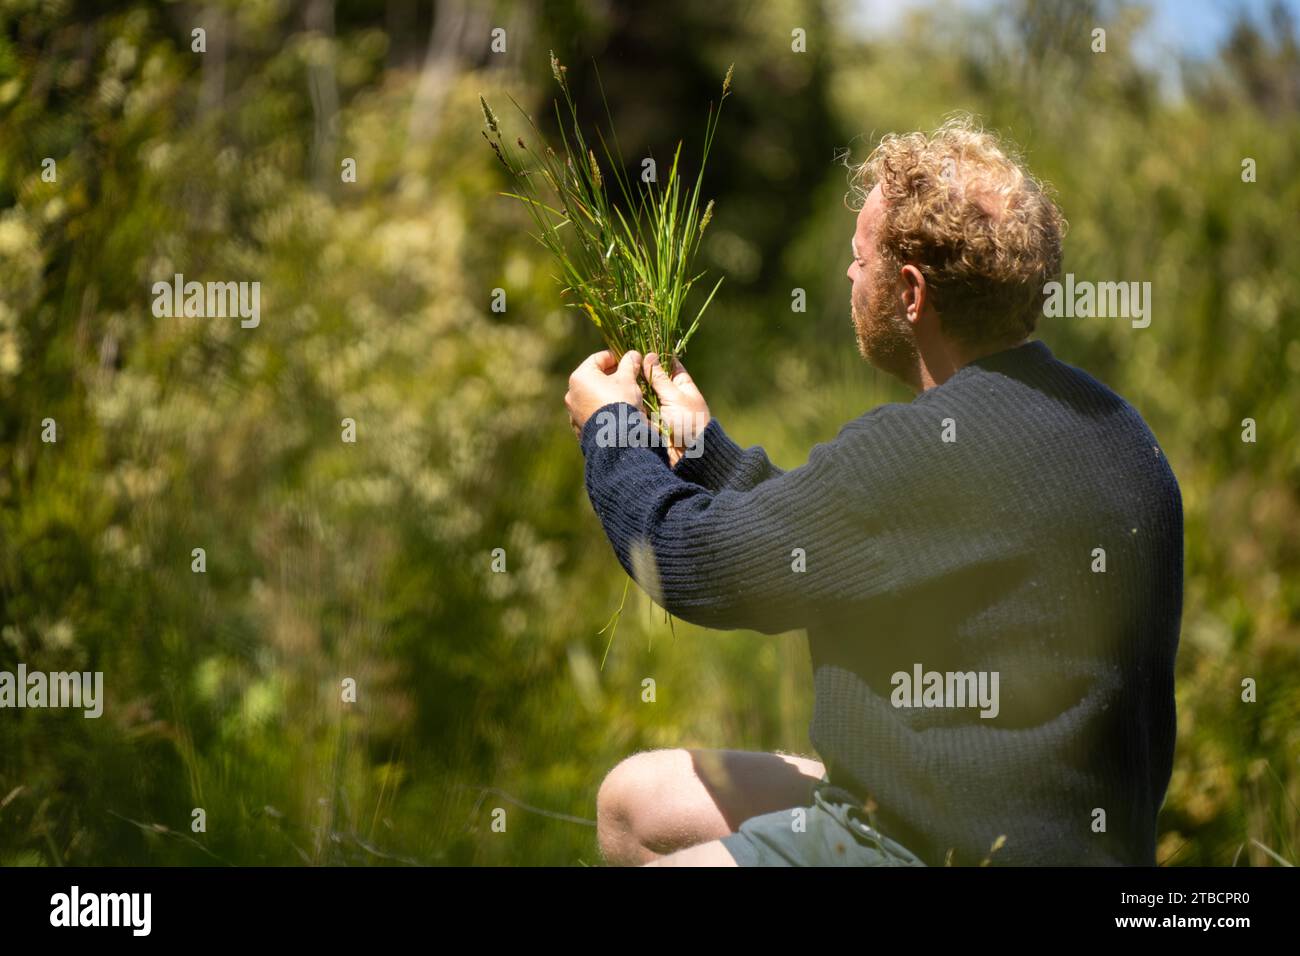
(986, 234)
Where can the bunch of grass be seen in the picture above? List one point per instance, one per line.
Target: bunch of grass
(625, 260)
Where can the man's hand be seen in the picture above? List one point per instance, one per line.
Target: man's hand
(681, 406)
(600, 380)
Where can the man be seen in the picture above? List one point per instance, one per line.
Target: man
(991, 578)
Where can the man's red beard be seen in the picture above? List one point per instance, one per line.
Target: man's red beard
(884, 336)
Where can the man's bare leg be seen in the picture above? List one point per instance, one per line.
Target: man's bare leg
(661, 801)
(712, 853)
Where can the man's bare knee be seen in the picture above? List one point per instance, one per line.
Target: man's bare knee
(615, 817)
(660, 801)
(645, 808)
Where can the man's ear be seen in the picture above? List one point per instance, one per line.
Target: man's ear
(913, 292)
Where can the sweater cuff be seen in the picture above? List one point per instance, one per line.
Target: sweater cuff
(620, 425)
(716, 458)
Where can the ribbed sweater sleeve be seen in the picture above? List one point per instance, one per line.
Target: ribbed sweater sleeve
(724, 464)
(715, 541)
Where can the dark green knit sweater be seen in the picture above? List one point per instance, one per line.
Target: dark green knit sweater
(972, 555)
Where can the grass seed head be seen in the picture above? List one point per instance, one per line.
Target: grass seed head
(488, 116)
(559, 71)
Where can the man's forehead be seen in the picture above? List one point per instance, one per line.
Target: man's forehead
(875, 200)
(871, 208)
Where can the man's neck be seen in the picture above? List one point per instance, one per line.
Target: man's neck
(936, 365)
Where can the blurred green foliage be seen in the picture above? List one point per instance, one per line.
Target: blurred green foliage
(372, 560)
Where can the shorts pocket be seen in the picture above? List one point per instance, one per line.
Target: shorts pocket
(839, 804)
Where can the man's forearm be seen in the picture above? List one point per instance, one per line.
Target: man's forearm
(720, 558)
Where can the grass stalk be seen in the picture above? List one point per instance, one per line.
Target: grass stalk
(624, 253)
